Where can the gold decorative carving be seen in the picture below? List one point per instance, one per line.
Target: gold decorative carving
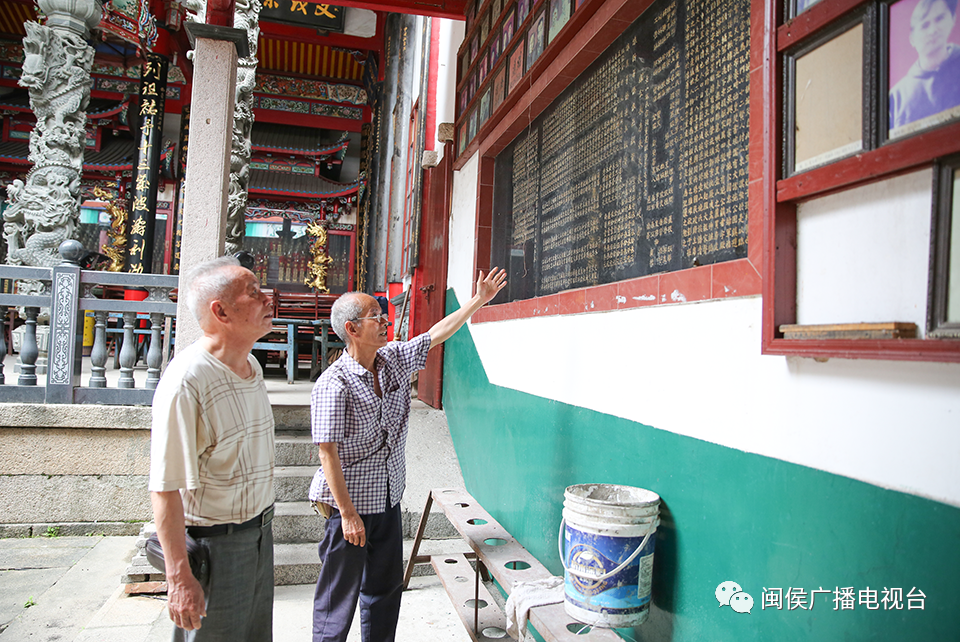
(319, 259)
(118, 240)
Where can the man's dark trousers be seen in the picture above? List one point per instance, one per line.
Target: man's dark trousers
(373, 574)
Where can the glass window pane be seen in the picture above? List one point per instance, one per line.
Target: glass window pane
(803, 5)
(829, 100)
(338, 275)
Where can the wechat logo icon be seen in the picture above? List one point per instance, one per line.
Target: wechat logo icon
(731, 594)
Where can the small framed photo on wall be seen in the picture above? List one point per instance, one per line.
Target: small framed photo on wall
(515, 66)
(484, 108)
(499, 87)
(559, 15)
(482, 69)
(523, 10)
(826, 101)
(535, 39)
(472, 125)
(507, 30)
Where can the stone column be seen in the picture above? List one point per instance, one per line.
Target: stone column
(216, 51)
(45, 210)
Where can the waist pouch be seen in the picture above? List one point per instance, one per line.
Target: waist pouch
(199, 564)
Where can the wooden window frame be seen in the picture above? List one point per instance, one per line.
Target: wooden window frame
(940, 246)
(881, 160)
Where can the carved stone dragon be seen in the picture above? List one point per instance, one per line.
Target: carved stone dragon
(44, 210)
(246, 17)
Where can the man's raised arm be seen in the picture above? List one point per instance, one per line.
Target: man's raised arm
(487, 288)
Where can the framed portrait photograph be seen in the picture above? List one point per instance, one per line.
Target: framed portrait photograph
(484, 112)
(474, 48)
(484, 27)
(826, 103)
(482, 69)
(464, 100)
(495, 9)
(507, 30)
(471, 14)
(515, 67)
(499, 87)
(472, 125)
(535, 39)
(523, 10)
(462, 139)
(559, 14)
(494, 51)
(924, 65)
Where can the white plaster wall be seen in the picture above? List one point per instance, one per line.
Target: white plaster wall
(863, 254)
(463, 220)
(451, 35)
(696, 369)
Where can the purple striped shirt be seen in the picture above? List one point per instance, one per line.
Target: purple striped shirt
(370, 431)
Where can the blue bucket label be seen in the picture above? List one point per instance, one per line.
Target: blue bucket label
(626, 592)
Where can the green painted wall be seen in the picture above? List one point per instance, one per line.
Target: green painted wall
(726, 515)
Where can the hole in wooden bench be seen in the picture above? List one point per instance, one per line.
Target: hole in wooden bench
(517, 565)
(476, 521)
(475, 604)
(494, 632)
(494, 541)
(461, 504)
(460, 578)
(449, 491)
(450, 561)
(578, 628)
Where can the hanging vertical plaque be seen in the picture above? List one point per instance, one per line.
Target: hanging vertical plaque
(143, 204)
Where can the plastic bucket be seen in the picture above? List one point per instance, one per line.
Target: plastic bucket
(606, 546)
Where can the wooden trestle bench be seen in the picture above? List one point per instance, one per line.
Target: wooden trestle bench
(498, 555)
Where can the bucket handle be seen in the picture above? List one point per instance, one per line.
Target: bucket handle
(563, 557)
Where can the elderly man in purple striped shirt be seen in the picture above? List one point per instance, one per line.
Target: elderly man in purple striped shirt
(360, 411)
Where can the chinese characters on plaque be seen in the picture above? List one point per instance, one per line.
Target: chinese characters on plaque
(640, 165)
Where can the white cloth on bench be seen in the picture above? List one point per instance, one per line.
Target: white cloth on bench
(527, 595)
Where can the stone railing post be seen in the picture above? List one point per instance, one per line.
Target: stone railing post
(98, 354)
(155, 351)
(3, 341)
(29, 350)
(66, 326)
(128, 351)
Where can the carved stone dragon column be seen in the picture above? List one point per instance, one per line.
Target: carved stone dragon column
(44, 210)
(246, 16)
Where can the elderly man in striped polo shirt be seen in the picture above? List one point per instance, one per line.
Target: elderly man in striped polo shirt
(360, 412)
(212, 460)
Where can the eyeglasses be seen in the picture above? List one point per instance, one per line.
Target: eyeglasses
(380, 318)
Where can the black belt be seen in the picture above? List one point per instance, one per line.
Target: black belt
(259, 521)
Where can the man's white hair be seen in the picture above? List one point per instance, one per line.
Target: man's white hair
(346, 308)
(207, 282)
